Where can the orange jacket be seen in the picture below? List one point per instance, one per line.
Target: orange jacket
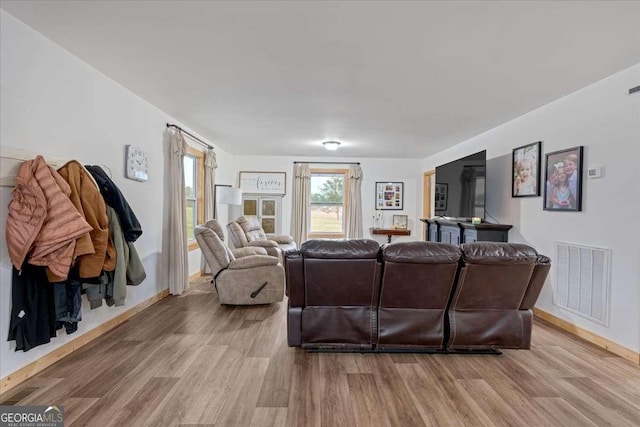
(95, 251)
(43, 224)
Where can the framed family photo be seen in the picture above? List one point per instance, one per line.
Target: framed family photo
(525, 172)
(440, 197)
(400, 222)
(563, 180)
(389, 196)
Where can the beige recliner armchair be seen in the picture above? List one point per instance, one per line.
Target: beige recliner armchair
(247, 232)
(246, 280)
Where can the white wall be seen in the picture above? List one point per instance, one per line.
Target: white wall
(53, 103)
(373, 170)
(606, 121)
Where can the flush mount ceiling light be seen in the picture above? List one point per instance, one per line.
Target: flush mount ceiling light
(331, 145)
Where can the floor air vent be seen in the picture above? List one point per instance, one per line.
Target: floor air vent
(582, 281)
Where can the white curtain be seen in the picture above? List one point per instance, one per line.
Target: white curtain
(301, 202)
(177, 262)
(354, 215)
(210, 165)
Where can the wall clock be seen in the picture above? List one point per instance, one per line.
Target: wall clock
(137, 166)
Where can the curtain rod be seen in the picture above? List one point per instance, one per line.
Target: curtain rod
(328, 163)
(169, 125)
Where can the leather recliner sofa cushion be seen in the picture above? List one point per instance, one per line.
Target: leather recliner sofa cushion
(416, 284)
(485, 309)
(341, 284)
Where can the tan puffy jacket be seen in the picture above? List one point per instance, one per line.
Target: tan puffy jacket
(43, 224)
(95, 251)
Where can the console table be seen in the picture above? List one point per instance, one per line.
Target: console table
(458, 232)
(390, 232)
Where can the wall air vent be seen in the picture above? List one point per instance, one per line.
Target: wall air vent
(582, 281)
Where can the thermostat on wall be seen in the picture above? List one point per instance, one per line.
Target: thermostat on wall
(595, 172)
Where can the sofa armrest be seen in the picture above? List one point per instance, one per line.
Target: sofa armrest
(252, 261)
(280, 238)
(247, 251)
(538, 278)
(263, 243)
(294, 278)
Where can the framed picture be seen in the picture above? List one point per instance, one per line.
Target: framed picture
(400, 222)
(389, 196)
(441, 197)
(525, 172)
(263, 183)
(563, 180)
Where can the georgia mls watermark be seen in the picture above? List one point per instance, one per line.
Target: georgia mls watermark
(31, 416)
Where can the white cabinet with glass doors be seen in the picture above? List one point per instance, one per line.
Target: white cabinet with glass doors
(266, 208)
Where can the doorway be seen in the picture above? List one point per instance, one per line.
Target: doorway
(428, 179)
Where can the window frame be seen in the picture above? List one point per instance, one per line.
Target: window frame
(198, 156)
(343, 235)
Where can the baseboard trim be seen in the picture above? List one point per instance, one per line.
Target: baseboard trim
(594, 339)
(22, 374)
(194, 276)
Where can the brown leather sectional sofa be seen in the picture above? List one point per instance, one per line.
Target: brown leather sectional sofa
(352, 295)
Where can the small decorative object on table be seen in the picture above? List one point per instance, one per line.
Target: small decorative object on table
(378, 220)
(400, 222)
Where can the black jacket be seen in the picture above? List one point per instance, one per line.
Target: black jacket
(114, 198)
(33, 313)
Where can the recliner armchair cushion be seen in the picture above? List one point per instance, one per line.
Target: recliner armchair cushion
(247, 229)
(252, 228)
(215, 226)
(262, 244)
(252, 261)
(242, 252)
(252, 279)
(216, 253)
(280, 239)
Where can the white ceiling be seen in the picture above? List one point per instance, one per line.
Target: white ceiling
(388, 79)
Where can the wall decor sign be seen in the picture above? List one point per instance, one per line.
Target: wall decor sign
(263, 183)
(136, 166)
(525, 170)
(563, 180)
(389, 196)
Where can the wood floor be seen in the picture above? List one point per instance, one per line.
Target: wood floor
(189, 361)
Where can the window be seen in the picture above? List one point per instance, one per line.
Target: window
(193, 192)
(329, 188)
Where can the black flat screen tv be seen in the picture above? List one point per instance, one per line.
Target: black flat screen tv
(460, 188)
